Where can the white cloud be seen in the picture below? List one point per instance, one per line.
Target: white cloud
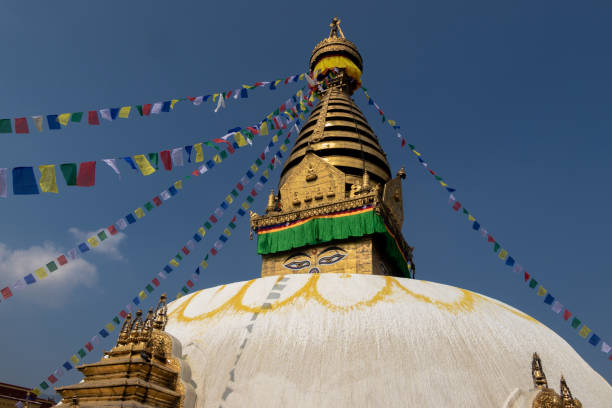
(110, 247)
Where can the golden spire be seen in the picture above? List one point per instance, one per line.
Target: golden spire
(124, 335)
(537, 373)
(335, 31)
(568, 400)
(161, 313)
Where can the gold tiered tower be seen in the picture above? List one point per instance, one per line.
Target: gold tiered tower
(338, 209)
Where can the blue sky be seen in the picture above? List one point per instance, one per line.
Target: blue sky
(510, 103)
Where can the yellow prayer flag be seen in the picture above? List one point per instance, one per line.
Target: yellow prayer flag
(415, 152)
(541, 291)
(144, 165)
(110, 327)
(124, 112)
(178, 184)
(74, 359)
(202, 231)
(199, 152)
(391, 122)
(203, 264)
(278, 81)
(264, 129)
(239, 138)
(142, 295)
(266, 173)
(93, 242)
(254, 168)
(215, 96)
(227, 232)
(443, 184)
(503, 254)
(217, 158)
(471, 218)
(48, 182)
(173, 262)
(283, 147)
(36, 391)
(139, 212)
(584, 332)
(274, 138)
(63, 118)
(302, 117)
(229, 199)
(300, 78)
(173, 102)
(179, 295)
(41, 273)
(245, 205)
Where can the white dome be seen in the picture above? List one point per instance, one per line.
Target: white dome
(335, 340)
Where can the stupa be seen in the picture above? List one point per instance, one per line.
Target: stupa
(337, 318)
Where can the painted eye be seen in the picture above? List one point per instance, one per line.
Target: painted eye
(332, 259)
(295, 265)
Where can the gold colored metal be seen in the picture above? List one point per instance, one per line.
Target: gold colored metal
(547, 397)
(336, 44)
(537, 373)
(568, 400)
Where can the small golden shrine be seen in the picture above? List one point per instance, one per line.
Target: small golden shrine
(547, 397)
(337, 209)
(140, 371)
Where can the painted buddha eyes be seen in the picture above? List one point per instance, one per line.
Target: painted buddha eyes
(302, 260)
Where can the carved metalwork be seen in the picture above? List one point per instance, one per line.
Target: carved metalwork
(547, 397)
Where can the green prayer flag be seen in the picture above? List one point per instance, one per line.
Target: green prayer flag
(44, 385)
(276, 112)
(179, 257)
(5, 126)
(465, 211)
(185, 289)
(207, 225)
(364, 89)
(232, 225)
(495, 247)
(258, 161)
(533, 283)
(76, 117)
(139, 107)
(154, 160)
(186, 177)
(438, 178)
(575, 323)
(411, 146)
(383, 118)
(149, 288)
(149, 206)
(69, 170)
(271, 166)
(206, 257)
(234, 193)
(116, 320)
(102, 235)
(51, 266)
(81, 353)
(223, 154)
(249, 199)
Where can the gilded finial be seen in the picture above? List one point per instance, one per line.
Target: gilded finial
(136, 328)
(568, 400)
(124, 334)
(366, 181)
(271, 201)
(335, 31)
(537, 373)
(401, 173)
(161, 313)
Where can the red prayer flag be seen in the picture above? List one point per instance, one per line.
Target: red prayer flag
(87, 174)
(62, 260)
(217, 140)
(527, 275)
(112, 229)
(213, 219)
(456, 206)
(146, 109)
(52, 379)
(21, 125)
(157, 201)
(166, 159)
(610, 357)
(123, 315)
(566, 314)
(196, 173)
(89, 346)
(403, 142)
(190, 283)
(490, 239)
(213, 251)
(155, 281)
(282, 107)
(6, 292)
(185, 250)
(253, 193)
(92, 118)
(253, 130)
(228, 94)
(263, 156)
(191, 98)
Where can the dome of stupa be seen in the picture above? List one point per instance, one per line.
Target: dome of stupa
(340, 340)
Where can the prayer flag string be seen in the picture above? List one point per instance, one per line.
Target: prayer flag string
(548, 299)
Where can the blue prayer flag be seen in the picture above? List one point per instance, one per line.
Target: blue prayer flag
(24, 181)
(29, 279)
(103, 333)
(223, 238)
(167, 268)
(210, 164)
(594, 339)
(224, 205)
(206, 98)
(130, 162)
(130, 218)
(197, 271)
(549, 299)
(279, 154)
(136, 301)
(173, 191)
(250, 174)
(370, 101)
(67, 366)
(476, 226)
(236, 129)
(188, 149)
(235, 145)
(510, 261)
(53, 123)
(197, 237)
(272, 86)
(114, 112)
(166, 107)
(450, 190)
(244, 93)
(263, 179)
(83, 247)
(241, 212)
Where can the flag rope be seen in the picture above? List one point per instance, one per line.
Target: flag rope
(502, 253)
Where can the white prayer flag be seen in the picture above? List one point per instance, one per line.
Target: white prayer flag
(3, 186)
(244, 180)
(191, 244)
(236, 93)
(310, 81)
(259, 186)
(20, 284)
(72, 253)
(557, 306)
(483, 232)
(220, 103)
(203, 169)
(38, 122)
(297, 131)
(165, 195)
(162, 275)
(517, 268)
(451, 198)
(121, 223)
(59, 372)
(605, 347)
(157, 106)
(130, 307)
(112, 163)
(198, 100)
(105, 113)
(95, 340)
(177, 157)
(219, 212)
(195, 277)
(218, 245)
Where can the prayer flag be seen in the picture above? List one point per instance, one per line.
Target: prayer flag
(142, 295)
(557, 307)
(139, 212)
(63, 119)
(584, 332)
(130, 162)
(149, 206)
(178, 184)
(165, 195)
(144, 165)
(503, 254)
(177, 156)
(172, 190)
(93, 242)
(69, 171)
(541, 291)
(103, 333)
(89, 346)
(155, 282)
(549, 299)
(62, 260)
(154, 160)
(5, 126)
(566, 314)
(48, 182)
(72, 253)
(29, 279)
(124, 112)
(456, 206)
(105, 113)
(594, 340)
(475, 226)
(3, 182)
(166, 106)
(157, 201)
(21, 125)
(112, 163)
(575, 323)
(157, 107)
(52, 122)
(510, 261)
(6, 292)
(166, 159)
(188, 149)
(121, 224)
(201, 231)
(92, 118)
(217, 158)
(199, 153)
(526, 274)
(24, 181)
(109, 327)
(76, 117)
(496, 247)
(174, 263)
(81, 353)
(605, 347)
(41, 273)
(533, 283)
(51, 266)
(114, 112)
(130, 218)
(87, 174)
(38, 122)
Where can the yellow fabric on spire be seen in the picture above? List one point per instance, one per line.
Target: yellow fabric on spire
(124, 112)
(204, 265)
(215, 96)
(63, 118)
(227, 232)
(229, 199)
(245, 205)
(142, 295)
(254, 168)
(110, 327)
(48, 182)
(338, 61)
(471, 217)
(144, 165)
(199, 153)
(74, 359)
